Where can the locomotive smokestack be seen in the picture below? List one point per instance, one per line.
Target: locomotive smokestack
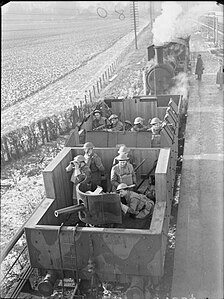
(159, 54)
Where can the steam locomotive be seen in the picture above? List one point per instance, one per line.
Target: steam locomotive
(164, 63)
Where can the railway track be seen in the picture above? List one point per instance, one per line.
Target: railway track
(15, 266)
(16, 272)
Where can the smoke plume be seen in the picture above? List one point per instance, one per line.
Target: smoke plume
(177, 22)
(164, 25)
(181, 85)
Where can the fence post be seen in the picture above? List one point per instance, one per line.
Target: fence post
(90, 96)
(97, 86)
(94, 91)
(7, 149)
(45, 130)
(85, 97)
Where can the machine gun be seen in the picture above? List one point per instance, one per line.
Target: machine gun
(68, 210)
(93, 208)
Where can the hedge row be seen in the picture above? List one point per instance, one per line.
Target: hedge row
(19, 142)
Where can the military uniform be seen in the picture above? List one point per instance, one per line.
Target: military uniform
(138, 204)
(96, 166)
(118, 127)
(124, 174)
(98, 123)
(131, 160)
(155, 131)
(139, 128)
(83, 173)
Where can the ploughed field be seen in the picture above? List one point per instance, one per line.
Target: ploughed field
(38, 53)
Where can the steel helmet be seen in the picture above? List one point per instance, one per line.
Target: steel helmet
(123, 149)
(155, 120)
(122, 186)
(88, 145)
(128, 122)
(97, 111)
(122, 157)
(113, 116)
(79, 159)
(138, 120)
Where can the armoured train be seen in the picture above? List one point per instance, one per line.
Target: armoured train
(89, 242)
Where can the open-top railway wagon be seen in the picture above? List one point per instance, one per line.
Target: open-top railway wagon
(91, 243)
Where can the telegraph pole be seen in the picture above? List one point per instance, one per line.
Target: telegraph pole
(150, 7)
(134, 17)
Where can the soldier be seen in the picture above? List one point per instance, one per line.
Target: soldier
(123, 172)
(81, 172)
(94, 162)
(139, 125)
(116, 124)
(124, 149)
(127, 125)
(157, 126)
(137, 205)
(99, 121)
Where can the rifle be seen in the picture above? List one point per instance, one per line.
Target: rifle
(147, 175)
(101, 127)
(137, 167)
(85, 118)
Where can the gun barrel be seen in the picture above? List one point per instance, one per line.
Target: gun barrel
(137, 167)
(71, 209)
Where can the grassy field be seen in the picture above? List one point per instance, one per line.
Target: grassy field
(36, 54)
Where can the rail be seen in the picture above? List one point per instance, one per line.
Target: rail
(17, 271)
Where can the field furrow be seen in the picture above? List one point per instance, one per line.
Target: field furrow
(29, 64)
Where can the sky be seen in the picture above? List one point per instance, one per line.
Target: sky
(85, 4)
